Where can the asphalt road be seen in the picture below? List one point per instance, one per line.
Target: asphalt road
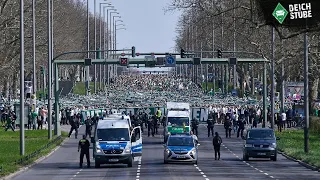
(63, 164)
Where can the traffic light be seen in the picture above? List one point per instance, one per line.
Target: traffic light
(124, 62)
(133, 51)
(42, 70)
(98, 54)
(87, 62)
(182, 53)
(219, 53)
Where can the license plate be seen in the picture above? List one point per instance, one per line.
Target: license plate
(262, 154)
(181, 157)
(113, 160)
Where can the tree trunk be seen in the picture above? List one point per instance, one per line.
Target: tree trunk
(314, 90)
(15, 86)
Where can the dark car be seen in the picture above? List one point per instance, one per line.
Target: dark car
(260, 143)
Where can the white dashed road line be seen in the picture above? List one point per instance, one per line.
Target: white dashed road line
(76, 174)
(138, 169)
(202, 173)
(248, 164)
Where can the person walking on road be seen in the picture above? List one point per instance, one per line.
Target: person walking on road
(228, 127)
(84, 146)
(74, 126)
(88, 123)
(210, 126)
(217, 140)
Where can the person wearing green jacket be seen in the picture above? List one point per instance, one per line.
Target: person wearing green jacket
(9, 124)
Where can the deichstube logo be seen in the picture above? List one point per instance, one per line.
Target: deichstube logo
(296, 11)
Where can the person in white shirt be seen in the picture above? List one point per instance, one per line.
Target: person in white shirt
(283, 121)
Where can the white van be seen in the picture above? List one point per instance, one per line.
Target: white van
(115, 142)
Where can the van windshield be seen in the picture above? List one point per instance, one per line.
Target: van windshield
(178, 121)
(263, 134)
(113, 134)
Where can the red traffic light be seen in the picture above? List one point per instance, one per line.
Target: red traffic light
(123, 54)
(137, 54)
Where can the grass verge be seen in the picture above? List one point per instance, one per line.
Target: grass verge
(10, 148)
(291, 143)
(80, 88)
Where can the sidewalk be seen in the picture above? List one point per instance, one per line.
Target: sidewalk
(64, 128)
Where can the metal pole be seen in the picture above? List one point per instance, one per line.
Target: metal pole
(213, 41)
(306, 94)
(100, 46)
(52, 47)
(95, 47)
(234, 46)
(22, 143)
(222, 66)
(34, 86)
(272, 77)
(44, 85)
(282, 83)
(114, 47)
(265, 113)
(57, 128)
(49, 72)
(88, 48)
(105, 26)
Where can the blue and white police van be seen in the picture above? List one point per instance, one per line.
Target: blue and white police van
(116, 142)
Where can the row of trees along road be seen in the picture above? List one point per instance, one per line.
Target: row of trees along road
(200, 17)
(69, 34)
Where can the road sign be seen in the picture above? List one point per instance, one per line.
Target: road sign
(150, 61)
(170, 61)
(160, 61)
(280, 13)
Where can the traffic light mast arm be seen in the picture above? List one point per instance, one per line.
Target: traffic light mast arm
(83, 52)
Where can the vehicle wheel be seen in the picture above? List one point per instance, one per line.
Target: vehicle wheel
(274, 158)
(245, 158)
(130, 162)
(96, 164)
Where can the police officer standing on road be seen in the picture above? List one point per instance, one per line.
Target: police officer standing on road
(150, 127)
(195, 125)
(241, 124)
(228, 127)
(88, 123)
(84, 145)
(217, 140)
(210, 126)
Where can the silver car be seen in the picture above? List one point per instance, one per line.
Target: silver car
(181, 148)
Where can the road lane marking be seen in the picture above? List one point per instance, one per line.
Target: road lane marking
(138, 169)
(249, 164)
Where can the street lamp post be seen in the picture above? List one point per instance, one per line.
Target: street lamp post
(106, 46)
(113, 43)
(49, 71)
(88, 48)
(22, 145)
(115, 68)
(34, 85)
(110, 40)
(100, 39)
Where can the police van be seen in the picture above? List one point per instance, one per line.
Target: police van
(178, 119)
(118, 116)
(115, 143)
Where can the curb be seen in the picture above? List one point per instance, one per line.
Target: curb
(302, 163)
(23, 169)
